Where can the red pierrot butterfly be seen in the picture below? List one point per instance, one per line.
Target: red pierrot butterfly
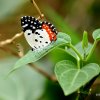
(38, 34)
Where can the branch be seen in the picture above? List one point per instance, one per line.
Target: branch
(9, 41)
(41, 16)
(20, 50)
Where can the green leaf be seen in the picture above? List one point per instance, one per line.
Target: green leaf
(96, 34)
(80, 50)
(85, 40)
(64, 36)
(33, 56)
(71, 79)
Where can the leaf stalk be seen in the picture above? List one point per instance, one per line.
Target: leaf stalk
(92, 50)
(76, 51)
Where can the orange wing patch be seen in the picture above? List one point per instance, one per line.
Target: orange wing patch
(51, 34)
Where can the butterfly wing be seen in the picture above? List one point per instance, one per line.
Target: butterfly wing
(30, 25)
(51, 30)
(28, 22)
(38, 34)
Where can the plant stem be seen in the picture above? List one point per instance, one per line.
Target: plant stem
(92, 50)
(79, 57)
(77, 98)
(78, 95)
(38, 10)
(78, 63)
(71, 46)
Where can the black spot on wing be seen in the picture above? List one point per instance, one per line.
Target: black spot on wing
(46, 42)
(35, 47)
(29, 34)
(41, 36)
(37, 33)
(36, 40)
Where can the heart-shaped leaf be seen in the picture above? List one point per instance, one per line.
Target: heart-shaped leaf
(33, 56)
(71, 78)
(96, 34)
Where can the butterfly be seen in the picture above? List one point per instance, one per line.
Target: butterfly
(38, 34)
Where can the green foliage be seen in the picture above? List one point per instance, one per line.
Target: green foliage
(85, 40)
(31, 56)
(71, 78)
(79, 48)
(96, 34)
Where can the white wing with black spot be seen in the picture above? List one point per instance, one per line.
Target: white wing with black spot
(33, 32)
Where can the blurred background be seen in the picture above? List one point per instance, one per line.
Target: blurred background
(71, 17)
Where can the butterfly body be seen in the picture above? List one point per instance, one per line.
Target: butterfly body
(38, 34)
